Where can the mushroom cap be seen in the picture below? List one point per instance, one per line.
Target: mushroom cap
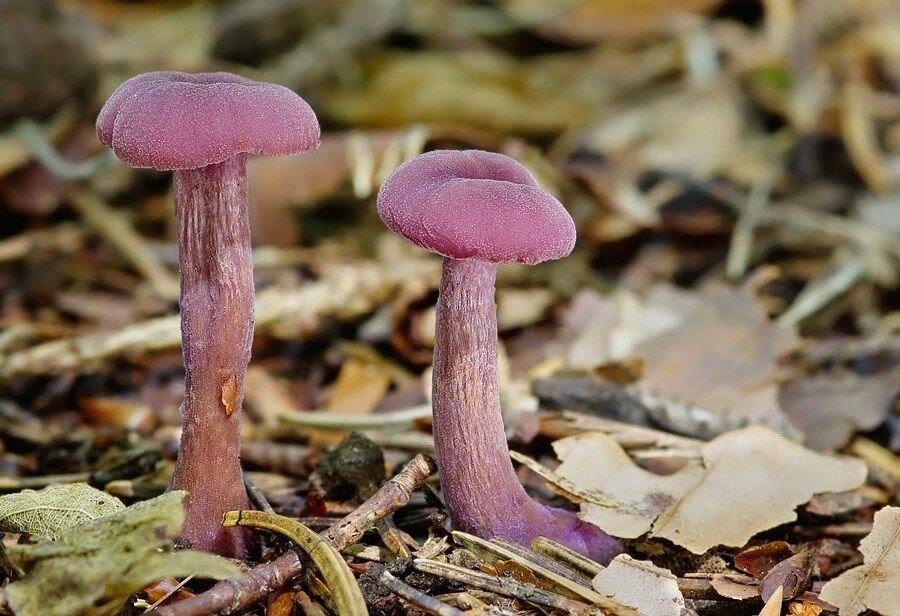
(172, 120)
(475, 205)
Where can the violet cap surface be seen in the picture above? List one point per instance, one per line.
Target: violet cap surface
(472, 204)
(170, 120)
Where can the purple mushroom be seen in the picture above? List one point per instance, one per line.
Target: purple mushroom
(478, 209)
(203, 126)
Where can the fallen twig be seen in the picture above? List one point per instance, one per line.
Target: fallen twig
(502, 586)
(335, 421)
(230, 596)
(64, 237)
(418, 598)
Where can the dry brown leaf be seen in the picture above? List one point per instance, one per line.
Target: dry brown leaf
(804, 608)
(748, 481)
(266, 396)
(792, 576)
(759, 560)
(830, 407)
(121, 412)
(875, 584)
(649, 589)
(359, 387)
(230, 394)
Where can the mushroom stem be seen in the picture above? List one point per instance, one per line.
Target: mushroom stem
(217, 333)
(480, 487)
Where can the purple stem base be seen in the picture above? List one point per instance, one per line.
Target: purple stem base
(482, 492)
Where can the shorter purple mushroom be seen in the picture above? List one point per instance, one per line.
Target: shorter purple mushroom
(203, 126)
(478, 209)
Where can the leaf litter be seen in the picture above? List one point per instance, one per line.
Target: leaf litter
(696, 143)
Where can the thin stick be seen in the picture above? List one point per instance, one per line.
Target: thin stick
(418, 598)
(822, 291)
(230, 596)
(501, 586)
(392, 495)
(555, 550)
(335, 421)
(175, 589)
(742, 237)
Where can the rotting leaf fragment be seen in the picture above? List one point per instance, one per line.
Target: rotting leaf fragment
(48, 512)
(229, 394)
(92, 568)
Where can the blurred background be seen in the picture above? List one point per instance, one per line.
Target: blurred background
(732, 166)
(690, 134)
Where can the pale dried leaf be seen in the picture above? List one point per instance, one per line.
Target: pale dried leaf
(45, 513)
(875, 584)
(522, 307)
(649, 589)
(94, 567)
(880, 211)
(748, 481)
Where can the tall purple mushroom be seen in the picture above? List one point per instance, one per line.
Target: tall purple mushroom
(478, 209)
(203, 126)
